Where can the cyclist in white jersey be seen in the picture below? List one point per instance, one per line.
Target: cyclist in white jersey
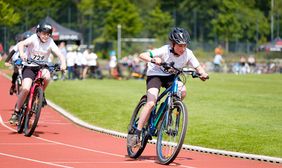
(38, 47)
(14, 55)
(176, 52)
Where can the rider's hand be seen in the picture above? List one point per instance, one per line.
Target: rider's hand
(63, 67)
(204, 76)
(156, 60)
(24, 57)
(8, 64)
(18, 62)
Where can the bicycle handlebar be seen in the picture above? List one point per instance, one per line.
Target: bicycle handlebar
(45, 64)
(169, 66)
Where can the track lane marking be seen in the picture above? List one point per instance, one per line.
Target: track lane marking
(33, 160)
(64, 144)
(87, 149)
(4, 143)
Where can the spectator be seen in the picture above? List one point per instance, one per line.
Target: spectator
(62, 47)
(113, 66)
(78, 64)
(70, 63)
(92, 63)
(243, 65)
(252, 63)
(218, 60)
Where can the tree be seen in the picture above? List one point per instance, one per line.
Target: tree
(158, 23)
(8, 16)
(124, 13)
(226, 25)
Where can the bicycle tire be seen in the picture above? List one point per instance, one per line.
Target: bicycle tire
(35, 111)
(168, 147)
(21, 124)
(17, 87)
(137, 151)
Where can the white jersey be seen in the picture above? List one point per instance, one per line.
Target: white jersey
(39, 51)
(164, 52)
(16, 55)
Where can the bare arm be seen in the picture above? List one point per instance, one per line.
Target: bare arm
(202, 72)
(58, 53)
(146, 56)
(21, 46)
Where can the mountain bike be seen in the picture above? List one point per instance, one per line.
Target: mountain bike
(30, 111)
(168, 119)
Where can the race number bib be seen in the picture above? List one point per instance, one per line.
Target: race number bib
(38, 57)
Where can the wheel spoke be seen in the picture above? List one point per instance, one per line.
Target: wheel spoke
(172, 133)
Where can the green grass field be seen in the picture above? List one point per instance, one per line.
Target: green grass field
(229, 112)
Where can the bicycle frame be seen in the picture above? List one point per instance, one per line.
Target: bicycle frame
(36, 83)
(155, 117)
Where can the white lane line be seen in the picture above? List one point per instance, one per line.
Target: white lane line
(1, 121)
(82, 148)
(123, 162)
(33, 160)
(78, 147)
(26, 144)
(64, 144)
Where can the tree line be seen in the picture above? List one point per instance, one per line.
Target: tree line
(219, 21)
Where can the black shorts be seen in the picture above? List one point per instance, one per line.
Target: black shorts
(159, 81)
(30, 72)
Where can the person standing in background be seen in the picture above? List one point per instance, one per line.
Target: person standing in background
(62, 47)
(218, 60)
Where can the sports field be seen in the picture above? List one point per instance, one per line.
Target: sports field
(230, 112)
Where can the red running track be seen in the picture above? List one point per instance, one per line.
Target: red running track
(57, 142)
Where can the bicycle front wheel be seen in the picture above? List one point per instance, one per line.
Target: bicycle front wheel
(18, 86)
(172, 133)
(32, 116)
(135, 152)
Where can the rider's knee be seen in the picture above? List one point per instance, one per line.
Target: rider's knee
(183, 94)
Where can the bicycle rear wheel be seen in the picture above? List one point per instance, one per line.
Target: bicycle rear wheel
(172, 133)
(135, 152)
(32, 116)
(21, 119)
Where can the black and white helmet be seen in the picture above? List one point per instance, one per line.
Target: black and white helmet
(179, 36)
(44, 27)
(27, 35)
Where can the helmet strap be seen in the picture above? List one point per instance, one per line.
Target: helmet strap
(172, 49)
(39, 37)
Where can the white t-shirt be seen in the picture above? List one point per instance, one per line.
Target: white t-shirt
(16, 55)
(217, 59)
(164, 52)
(92, 59)
(39, 51)
(70, 58)
(80, 59)
(113, 61)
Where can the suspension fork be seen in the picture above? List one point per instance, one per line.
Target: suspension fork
(168, 109)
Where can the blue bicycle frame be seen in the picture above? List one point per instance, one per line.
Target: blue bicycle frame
(155, 117)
